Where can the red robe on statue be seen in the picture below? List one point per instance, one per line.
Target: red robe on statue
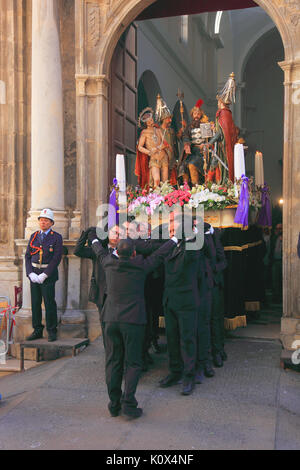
(225, 121)
(142, 169)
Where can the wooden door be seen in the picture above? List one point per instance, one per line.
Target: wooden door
(123, 104)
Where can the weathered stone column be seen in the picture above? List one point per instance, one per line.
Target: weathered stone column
(290, 324)
(47, 150)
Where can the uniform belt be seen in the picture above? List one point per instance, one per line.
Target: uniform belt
(39, 266)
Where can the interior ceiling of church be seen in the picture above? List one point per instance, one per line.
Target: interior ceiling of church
(241, 35)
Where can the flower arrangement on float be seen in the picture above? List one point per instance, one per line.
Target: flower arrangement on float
(212, 196)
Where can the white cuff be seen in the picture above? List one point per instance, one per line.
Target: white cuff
(94, 241)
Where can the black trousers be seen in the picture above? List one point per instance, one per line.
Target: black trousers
(124, 356)
(203, 329)
(181, 327)
(217, 321)
(39, 292)
(100, 310)
(154, 308)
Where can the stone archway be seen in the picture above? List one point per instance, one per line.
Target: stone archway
(262, 108)
(99, 25)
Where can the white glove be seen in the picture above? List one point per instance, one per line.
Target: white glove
(34, 278)
(41, 278)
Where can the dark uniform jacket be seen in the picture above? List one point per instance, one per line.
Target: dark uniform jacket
(181, 279)
(52, 247)
(215, 259)
(125, 280)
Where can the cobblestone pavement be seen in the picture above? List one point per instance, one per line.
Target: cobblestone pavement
(250, 404)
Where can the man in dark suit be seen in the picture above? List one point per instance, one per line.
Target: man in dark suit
(181, 303)
(42, 257)
(145, 246)
(210, 328)
(97, 293)
(218, 263)
(124, 317)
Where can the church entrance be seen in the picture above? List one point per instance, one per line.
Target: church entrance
(160, 54)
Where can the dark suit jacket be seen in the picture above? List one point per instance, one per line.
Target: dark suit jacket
(125, 281)
(52, 246)
(215, 259)
(181, 278)
(84, 251)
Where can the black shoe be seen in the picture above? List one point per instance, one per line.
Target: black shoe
(132, 413)
(35, 335)
(208, 371)
(52, 338)
(199, 378)
(217, 360)
(187, 387)
(170, 380)
(114, 410)
(224, 355)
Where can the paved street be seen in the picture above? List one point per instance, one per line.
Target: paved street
(250, 404)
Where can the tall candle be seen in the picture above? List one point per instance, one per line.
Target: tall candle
(121, 178)
(259, 169)
(239, 161)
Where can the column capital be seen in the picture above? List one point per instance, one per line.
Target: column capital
(291, 70)
(92, 85)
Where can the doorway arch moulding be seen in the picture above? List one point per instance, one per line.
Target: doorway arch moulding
(99, 25)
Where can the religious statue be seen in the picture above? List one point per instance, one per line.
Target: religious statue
(164, 118)
(192, 164)
(152, 163)
(226, 136)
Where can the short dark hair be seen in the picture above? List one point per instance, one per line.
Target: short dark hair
(126, 248)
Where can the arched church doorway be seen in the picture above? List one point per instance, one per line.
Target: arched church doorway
(191, 63)
(148, 89)
(263, 108)
(123, 103)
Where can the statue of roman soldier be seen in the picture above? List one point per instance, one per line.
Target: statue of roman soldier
(152, 162)
(226, 136)
(192, 162)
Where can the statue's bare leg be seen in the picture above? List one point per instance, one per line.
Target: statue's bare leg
(155, 175)
(165, 173)
(194, 174)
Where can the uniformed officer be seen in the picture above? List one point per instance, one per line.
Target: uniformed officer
(42, 257)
